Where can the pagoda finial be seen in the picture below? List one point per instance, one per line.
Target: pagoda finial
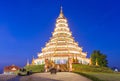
(61, 9)
(28, 62)
(61, 13)
(33, 61)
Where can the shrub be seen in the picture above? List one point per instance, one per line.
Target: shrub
(35, 68)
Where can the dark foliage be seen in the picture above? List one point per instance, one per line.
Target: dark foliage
(98, 58)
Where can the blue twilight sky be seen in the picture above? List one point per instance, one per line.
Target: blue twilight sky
(26, 25)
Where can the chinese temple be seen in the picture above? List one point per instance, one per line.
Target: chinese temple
(61, 46)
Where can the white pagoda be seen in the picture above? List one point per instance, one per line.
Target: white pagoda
(61, 46)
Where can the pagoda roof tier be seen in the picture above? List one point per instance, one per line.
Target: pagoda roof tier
(62, 55)
(61, 28)
(62, 43)
(67, 47)
(68, 39)
(63, 32)
(63, 52)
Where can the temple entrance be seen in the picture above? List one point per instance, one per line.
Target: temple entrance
(59, 67)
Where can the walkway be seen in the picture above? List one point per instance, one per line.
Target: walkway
(60, 76)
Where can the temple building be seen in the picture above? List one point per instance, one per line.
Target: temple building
(11, 69)
(61, 46)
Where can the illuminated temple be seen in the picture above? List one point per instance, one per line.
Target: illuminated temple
(61, 46)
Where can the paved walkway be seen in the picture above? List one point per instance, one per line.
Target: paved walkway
(60, 76)
(7, 77)
(17, 78)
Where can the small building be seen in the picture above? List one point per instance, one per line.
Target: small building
(11, 69)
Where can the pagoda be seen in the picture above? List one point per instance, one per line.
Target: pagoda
(62, 46)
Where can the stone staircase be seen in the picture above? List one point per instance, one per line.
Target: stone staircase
(62, 67)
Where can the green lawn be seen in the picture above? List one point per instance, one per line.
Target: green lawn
(88, 68)
(96, 73)
(105, 76)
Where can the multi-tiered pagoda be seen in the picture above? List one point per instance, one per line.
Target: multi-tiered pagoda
(61, 46)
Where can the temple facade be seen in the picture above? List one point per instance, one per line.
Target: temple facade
(61, 46)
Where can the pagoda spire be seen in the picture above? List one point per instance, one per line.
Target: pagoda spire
(33, 61)
(28, 62)
(61, 9)
(61, 15)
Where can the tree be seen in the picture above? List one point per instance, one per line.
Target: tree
(98, 58)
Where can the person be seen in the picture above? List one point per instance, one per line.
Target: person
(53, 70)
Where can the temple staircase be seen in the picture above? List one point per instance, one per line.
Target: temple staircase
(62, 67)
(59, 67)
